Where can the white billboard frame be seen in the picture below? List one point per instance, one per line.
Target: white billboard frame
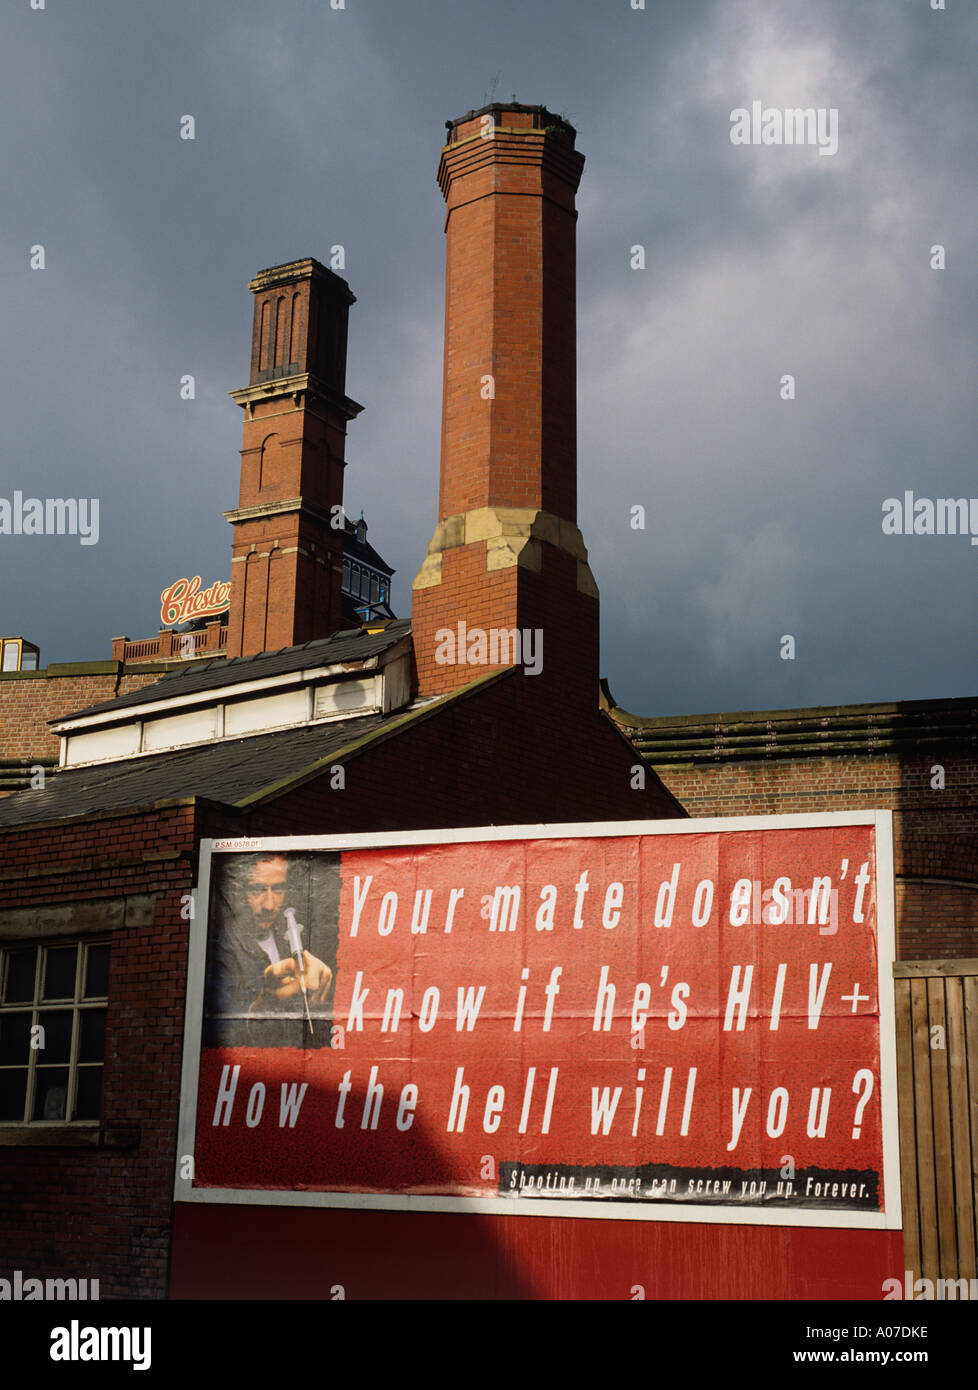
(605, 1209)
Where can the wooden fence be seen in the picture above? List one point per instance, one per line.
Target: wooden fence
(937, 1070)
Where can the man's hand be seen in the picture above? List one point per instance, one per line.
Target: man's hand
(282, 981)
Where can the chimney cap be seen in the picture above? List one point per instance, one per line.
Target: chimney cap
(545, 117)
(293, 271)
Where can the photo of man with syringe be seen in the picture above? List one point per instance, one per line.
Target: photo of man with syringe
(271, 956)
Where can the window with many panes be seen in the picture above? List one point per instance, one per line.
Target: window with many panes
(53, 1000)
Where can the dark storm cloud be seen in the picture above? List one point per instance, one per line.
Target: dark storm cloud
(318, 127)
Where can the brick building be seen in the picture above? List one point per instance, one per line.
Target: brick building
(918, 758)
(307, 725)
(105, 852)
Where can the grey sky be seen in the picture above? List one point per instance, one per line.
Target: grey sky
(318, 126)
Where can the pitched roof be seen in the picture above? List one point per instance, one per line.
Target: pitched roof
(350, 645)
(235, 772)
(231, 771)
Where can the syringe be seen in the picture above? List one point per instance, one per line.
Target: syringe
(294, 933)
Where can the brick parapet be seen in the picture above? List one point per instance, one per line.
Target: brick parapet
(935, 827)
(27, 704)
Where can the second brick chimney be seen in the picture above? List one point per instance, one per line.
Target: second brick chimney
(506, 553)
(287, 554)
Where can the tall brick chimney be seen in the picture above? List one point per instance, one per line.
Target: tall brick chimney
(506, 552)
(286, 566)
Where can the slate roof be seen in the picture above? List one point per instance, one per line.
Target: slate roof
(230, 771)
(352, 644)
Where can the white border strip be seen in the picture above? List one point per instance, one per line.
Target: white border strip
(606, 1209)
(886, 947)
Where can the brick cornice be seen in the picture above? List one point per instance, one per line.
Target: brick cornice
(287, 504)
(307, 269)
(302, 384)
(509, 146)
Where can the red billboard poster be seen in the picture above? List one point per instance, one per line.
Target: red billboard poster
(684, 1020)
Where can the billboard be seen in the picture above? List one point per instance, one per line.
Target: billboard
(682, 1020)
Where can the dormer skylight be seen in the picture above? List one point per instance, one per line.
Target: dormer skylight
(294, 688)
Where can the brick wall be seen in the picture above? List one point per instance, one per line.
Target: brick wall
(30, 698)
(935, 831)
(504, 754)
(563, 622)
(104, 1213)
